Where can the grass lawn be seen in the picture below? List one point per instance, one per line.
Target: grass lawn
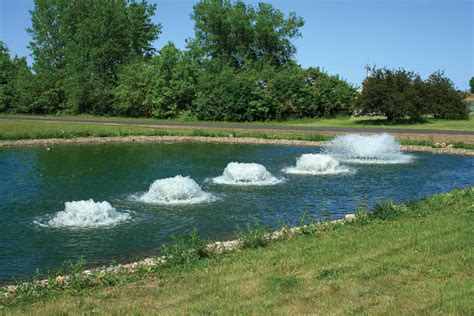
(352, 122)
(409, 259)
(11, 130)
(14, 130)
(366, 122)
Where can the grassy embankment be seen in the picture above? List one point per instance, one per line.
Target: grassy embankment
(405, 259)
(15, 130)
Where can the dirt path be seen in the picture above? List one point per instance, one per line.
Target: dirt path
(435, 135)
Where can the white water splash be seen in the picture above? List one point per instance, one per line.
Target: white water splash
(367, 149)
(237, 173)
(317, 164)
(86, 214)
(176, 190)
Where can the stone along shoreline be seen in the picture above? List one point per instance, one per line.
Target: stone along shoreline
(442, 149)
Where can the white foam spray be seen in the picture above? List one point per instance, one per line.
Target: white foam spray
(237, 173)
(86, 214)
(367, 149)
(317, 164)
(176, 190)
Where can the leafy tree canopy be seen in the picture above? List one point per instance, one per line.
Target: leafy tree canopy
(16, 83)
(400, 94)
(236, 34)
(96, 56)
(79, 45)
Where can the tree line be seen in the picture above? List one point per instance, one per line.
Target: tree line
(97, 57)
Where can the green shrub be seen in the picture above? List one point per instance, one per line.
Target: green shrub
(393, 93)
(185, 249)
(254, 237)
(271, 93)
(385, 211)
(400, 95)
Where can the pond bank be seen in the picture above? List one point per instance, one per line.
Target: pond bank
(202, 139)
(398, 252)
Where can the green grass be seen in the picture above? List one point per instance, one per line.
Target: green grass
(346, 121)
(380, 122)
(16, 130)
(409, 259)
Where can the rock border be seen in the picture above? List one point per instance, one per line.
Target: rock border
(212, 249)
(448, 149)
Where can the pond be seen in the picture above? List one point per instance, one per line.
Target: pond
(37, 229)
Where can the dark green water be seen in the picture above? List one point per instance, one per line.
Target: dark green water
(35, 183)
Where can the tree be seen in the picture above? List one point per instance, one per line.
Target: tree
(400, 94)
(232, 95)
(95, 56)
(80, 45)
(270, 93)
(442, 98)
(16, 83)
(135, 84)
(23, 87)
(471, 84)
(393, 93)
(330, 96)
(162, 87)
(7, 73)
(175, 87)
(234, 34)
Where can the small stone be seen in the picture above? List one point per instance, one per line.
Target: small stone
(10, 288)
(60, 279)
(43, 283)
(349, 217)
(149, 261)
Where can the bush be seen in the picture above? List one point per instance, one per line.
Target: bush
(185, 249)
(254, 237)
(269, 93)
(163, 87)
(135, 83)
(400, 94)
(393, 93)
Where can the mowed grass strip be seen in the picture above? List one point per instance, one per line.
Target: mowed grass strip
(381, 122)
(341, 121)
(419, 260)
(17, 130)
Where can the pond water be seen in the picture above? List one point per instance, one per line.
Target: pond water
(37, 229)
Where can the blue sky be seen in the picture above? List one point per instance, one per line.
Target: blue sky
(340, 36)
